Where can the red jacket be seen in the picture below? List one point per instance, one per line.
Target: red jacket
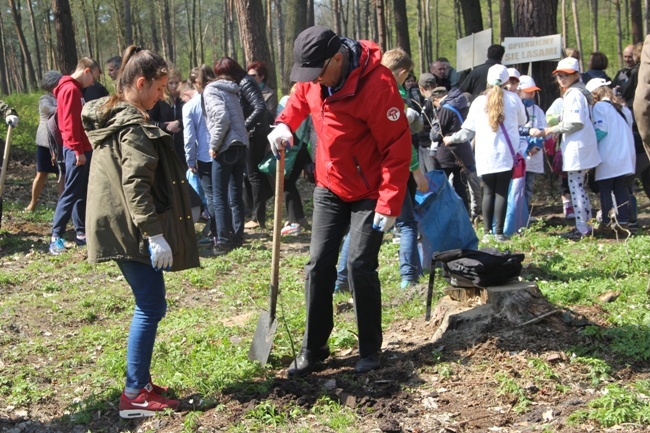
(70, 101)
(364, 143)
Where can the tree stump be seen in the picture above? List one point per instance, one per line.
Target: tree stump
(515, 304)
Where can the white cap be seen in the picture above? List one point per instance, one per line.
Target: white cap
(595, 83)
(513, 73)
(527, 84)
(568, 65)
(497, 75)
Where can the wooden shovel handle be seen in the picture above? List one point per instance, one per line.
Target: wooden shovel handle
(277, 227)
(5, 159)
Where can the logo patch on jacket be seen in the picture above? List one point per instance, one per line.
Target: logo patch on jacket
(393, 114)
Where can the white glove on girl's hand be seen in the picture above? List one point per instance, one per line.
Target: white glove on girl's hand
(383, 223)
(280, 138)
(12, 120)
(161, 253)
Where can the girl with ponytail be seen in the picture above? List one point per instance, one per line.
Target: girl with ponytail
(138, 212)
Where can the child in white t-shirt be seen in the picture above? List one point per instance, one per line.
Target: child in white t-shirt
(613, 124)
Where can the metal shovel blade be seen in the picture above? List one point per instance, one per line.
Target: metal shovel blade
(263, 338)
(267, 324)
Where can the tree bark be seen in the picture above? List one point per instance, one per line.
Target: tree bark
(4, 73)
(381, 24)
(401, 25)
(637, 21)
(87, 37)
(190, 13)
(472, 16)
(594, 23)
(66, 51)
(505, 19)
(24, 48)
(32, 19)
(295, 22)
(128, 25)
(252, 31)
(155, 42)
(576, 25)
(167, 31)
(357, 19)
(534, 18)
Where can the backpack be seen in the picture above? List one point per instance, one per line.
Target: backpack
(55, 140)
(479, 268)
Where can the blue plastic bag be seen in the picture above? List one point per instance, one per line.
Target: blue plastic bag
(443, 220)
(517, 210)
(195, 182)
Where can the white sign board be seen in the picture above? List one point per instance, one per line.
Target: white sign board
(472, 50)
(526, 50)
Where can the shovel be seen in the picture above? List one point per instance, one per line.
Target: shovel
(267, 324)
(5, 163)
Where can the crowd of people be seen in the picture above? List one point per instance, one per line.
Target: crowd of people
(139, 162)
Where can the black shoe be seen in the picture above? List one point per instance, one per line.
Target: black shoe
(221, 248)
(368, 363)
(307, 360)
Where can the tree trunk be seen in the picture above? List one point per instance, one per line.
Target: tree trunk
(401, 25)
(357, 19)
(534, 18)
(421, 39)
(128, 25)
(230, 28)
(505, 19)
(252, 31)
(24, 48)
(637, 21)
(576, 25)
(310, 13)
(201, 39)
(457, 15)
(294, 23)
(37, 48)
(66, 52)
(49, 42)
(4, 73)
(619, 36)
(564, 25)
(190, 13)
(381, 24)
(87, 37)
(594, 23)
(155, 42)
(490, 23)
(336, 8)
(472, 16)
(428, 35)
(168, 34)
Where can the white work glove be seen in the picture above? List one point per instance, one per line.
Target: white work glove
(415, 121)
(161, 253)
(12, 120)
(383, 223)
(280, 137)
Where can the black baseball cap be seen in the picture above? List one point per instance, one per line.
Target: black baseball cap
(311, 50)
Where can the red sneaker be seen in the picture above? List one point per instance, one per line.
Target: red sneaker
(147, 403)
(157, 388)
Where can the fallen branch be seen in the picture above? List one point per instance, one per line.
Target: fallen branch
(539, 318)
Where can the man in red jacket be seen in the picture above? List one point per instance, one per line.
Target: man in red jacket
(76, 151)
(362, 165)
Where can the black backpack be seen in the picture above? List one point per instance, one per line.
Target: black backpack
(474, 268)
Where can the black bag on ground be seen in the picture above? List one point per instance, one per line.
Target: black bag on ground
(479, 268)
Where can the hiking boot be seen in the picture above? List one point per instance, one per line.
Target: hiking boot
(291, 229)
(500, 237)
(569, 212)
(221, 248)
(307, 360)
(57, 247)
(147, 403)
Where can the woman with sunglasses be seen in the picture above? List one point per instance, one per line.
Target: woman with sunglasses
(578, 143)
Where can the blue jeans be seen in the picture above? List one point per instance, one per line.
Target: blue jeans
(409, 259)
(148, 287)
(72, 202)
(228, 199)
(342, 266)
(204, 170)
(331, 218)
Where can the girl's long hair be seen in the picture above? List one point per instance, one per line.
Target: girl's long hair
(603, 92)
(494, 106)
(136, 62)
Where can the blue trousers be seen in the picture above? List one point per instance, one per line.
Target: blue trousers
(148, 287)
(72, 202)
(228, 194)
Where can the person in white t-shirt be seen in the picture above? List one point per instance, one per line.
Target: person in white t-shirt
(579, 145)
(531, 147)
(613, 124)
(494, 119)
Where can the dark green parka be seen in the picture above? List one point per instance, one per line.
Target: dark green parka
(136, 189)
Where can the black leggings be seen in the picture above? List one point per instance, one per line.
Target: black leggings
(495, 200)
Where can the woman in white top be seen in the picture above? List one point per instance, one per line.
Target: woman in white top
(494, 119)
(613, 123)
(579, 146)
